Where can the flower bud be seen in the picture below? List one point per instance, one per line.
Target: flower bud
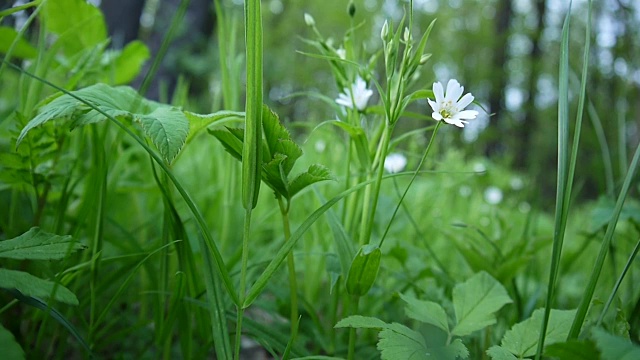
(385, 30)
(424, 58)
(407, 35)
(351, 9)
(308, 19)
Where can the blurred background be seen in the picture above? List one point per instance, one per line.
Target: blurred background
(503, 51)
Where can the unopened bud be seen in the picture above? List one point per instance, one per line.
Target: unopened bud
(385, 30)
(407, 35)
(351, 9)
(308, 19)
(424, 58)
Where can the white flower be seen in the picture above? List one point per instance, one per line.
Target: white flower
(360, 95)
(493, 195)
(394, 163)
(342, 53)
(308, 19)
(450, 106)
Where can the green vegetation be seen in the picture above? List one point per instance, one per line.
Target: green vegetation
(141, 227)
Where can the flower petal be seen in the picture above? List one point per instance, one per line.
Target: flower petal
(438, 92)
(436, 116)
(454, 90)
(434, 105)
(467, 114)
(344, 100)
(464, 101)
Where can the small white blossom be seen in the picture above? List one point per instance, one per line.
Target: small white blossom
(394, 163)
(360, 93)
(450, 106)
(493, 195)
(342, 53)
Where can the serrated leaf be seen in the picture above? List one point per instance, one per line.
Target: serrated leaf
(426, 311)
(361, 322)
(522, 339)
(11, 350)
(273, 174)
(499, 353)
(168, 129)
(572, 349)
(399, 342)
(22, 48)
(475, 301)
(314, 174)
(30, 285)
(115, 101)
(363, 270)
(79, 24)
(36, 244)
(279, 140)
(615, 347)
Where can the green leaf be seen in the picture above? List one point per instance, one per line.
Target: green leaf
(30, 285)
(314, 174)
(79, 24)
(475, 301)
(364, 270)
(614, 347)
(11, 350)
(359, 138)
(399, 342)
(522, 339)
(168, 129)
(21, 50)
(231, 143)
(426, 311)
(129, 62)
(572, 349)
(499, 353)
(197, 122)
(361, 322)
(36, 244)
(279, 140)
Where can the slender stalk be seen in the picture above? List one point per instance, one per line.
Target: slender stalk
(355, 301)
(293, 284)
(243, 279)
(413, 178)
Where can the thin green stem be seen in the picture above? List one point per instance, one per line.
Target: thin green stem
(293, 284)
(351, 352)
(413, 178)
(243, 278)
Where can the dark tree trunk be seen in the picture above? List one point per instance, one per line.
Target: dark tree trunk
(123, 20)
(528, 125)
(496, 97)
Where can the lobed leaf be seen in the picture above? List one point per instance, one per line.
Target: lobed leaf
(426, 311)
(399, 342)
(314, 174)
(614, 347)
(32, 286)
(499, 353)
(475, 301)
(168, 129)
(37, 244)
(522, 339)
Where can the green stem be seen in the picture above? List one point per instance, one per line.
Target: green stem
(355, 300)
(243, 278)
(413, 178)
(372, 193)
(293, 284)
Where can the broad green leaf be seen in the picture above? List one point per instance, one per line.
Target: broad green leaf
(197, 122)
(36, 244)
(475, 301)
(573, 349)
(364, 270)
(21, 50)
(361, 322)
(399, 342)
(30, 285)
(314, 174)
(426, 311)
(129, 62)
(614, 347)
(168, 129)
(79, 24)
(499, 353)
(11, 350)
(522, 339)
